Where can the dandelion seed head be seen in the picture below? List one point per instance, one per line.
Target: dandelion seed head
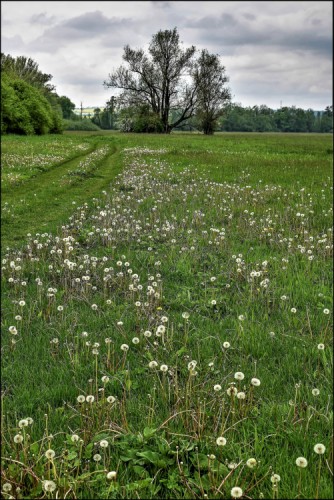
(319, 449)
(301, 462)
(236, 492)
(221, 441)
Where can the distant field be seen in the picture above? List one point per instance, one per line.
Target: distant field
(167, 316)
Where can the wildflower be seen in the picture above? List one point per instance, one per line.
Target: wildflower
(226, 345)
(81, 399)
(6, 487)
(29, 420)
(161, 329)
(251, 463)
(293, 310)
(232, 391)
(111, 475)
(217, 387)
(185, 315)
(90, 399)
(147, 334)
(256, 382)
(95, 352)
(153, 364)
(301, 462)
(239, 376)
(319, 449)
(275, 478)
(18, 317)
(326, 311)
(18, 438)
(94, 307)
(49, 486)
(213, 302)
(241, 395)
(22, 303)
(236, 492)
(97, 457)
(12, 330)
(138, 303)
(75, 438)
(104, 443)
(105, 379)
(60, 308)
(50, 454)
(164, 368)
(241, 317)
(23, 423)
(315, 392)
(321, 347)
(221, 441)
(124, 347)
(164, 319)
(135, 340)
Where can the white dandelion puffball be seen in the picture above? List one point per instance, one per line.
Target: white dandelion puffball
(236, 492)
(275, 478)
(319, 449)
(217, 387)
(164, 368)
(221, 441)
(226, 345)
(239, 376)
(111, 475)
(251, 463)
(256, 382)
(81, 399)
(90, 399)
(18, 438)
(152, 364)
(49, 486)
(50, 454)
(124, 347)
(104, 443)
(111, 399)
(301, 462)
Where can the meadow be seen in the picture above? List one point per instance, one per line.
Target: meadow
(167, 316)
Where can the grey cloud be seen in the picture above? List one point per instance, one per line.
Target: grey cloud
(248, 16)
(232, 32)
(42, 19)
(163, 4)
(91, 27)
(12, 44)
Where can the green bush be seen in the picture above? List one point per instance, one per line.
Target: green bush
(15, 117)
(24, 109)
(80, 125)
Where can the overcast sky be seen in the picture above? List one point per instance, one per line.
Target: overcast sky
(274, 52)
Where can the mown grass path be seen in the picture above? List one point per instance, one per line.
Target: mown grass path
(51, 199)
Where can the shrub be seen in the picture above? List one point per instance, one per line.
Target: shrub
(80, 125)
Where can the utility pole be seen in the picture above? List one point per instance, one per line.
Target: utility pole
(81, 110)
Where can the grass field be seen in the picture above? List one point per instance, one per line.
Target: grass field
(167, 316)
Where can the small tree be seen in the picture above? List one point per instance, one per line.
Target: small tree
(212, 95)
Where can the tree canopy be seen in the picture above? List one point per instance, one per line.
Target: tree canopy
(167, 79)
(29, 104)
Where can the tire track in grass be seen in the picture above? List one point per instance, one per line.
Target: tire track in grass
(46, 202)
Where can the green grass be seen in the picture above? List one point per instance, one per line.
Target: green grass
(236, 231)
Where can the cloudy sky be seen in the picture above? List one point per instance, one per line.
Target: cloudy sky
(274, 52)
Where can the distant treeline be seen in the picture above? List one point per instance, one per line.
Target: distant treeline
(286, 119)
(234, 119)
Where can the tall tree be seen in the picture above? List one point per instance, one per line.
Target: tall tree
(163, 78)
(212, 95)
(26, 69)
